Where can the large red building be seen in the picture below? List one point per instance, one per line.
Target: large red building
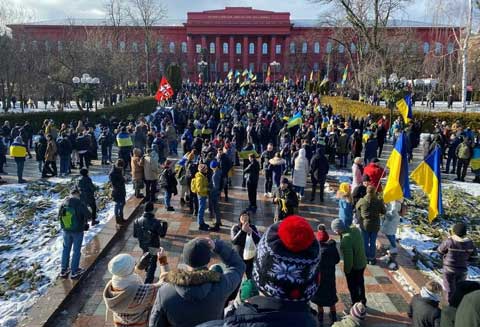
(239, 38)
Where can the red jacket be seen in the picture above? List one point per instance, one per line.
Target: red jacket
(375, 172)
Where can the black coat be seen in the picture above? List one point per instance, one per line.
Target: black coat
(87, 189)
(168, 181)
(64, 147)
(118, 184)
(252, 173)
(41, 148)
(326, 294)
(148, 230)
(239, 237)
(263, 311)
(319, 167)
(424, 312)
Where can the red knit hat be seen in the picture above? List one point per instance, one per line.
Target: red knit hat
(322, 236)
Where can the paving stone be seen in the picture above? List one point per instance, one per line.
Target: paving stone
(399, 302)
(369, 280)
(383, 280)
(377, 271)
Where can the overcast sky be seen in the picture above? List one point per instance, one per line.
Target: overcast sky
(58, 9)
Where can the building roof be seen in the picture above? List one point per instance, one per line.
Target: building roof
(391, 23)
(97, 22)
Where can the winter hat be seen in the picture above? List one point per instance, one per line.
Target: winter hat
(149, 207)
(358, 311)
(344, 188)
(460, 229)
(196, 253)
(338, 225)
(214, 164)
(248, 289)
(84, 171)
(285, 181)
(122, 265)
(287, 262)
(322, 235)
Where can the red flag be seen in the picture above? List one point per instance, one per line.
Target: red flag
(165, 90)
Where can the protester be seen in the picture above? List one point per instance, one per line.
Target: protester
(137, 173)
(390, 224)
(468, 312)
(119, 192)
(215, 188)
(195, 295)
(286, 200)
(345, 204)
(357, 172)
(375, 172)
(265, 166)
(424, 307)
(87, 194)
(319, 168)
(300, 173)
(168, 182)
(199, 186)
(150, 172)
(277, 165)
(251, 175)
(18, 152)
(464, 154)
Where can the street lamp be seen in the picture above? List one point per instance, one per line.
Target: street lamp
(274, 64)
(86, 92)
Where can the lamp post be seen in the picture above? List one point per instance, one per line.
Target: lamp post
(85, 88)
(274, 64)
(202, 67)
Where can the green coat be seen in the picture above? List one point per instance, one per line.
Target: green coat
(468, 312)
(353, 250)
(448, 317)
(369, 208)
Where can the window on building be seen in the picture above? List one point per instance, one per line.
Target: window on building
(353, 48)
(225, 67)
(159, 47)
(264, 67)
(426, 48)
(122, 45)
(184, 47)
(304, 47)
(315, 66)
(329, 47)
(160, 67)
(185, 67)
(251, 48)
(278, 49)
(264, 48)
(251, 67)
(438, 48)
(225, 47)
(238, 48)
(316, 47)
(198, 48)
(213, 67)
(34, 45)
(60, 45)
(341, 48)
(135, 47)
(171, 47)
(450, 47)
(212, 47)
(292, 47)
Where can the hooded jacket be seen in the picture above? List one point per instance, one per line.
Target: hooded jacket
(424, 312)
(189, 298)
(118, 184)
(369, 208)
(456, 252)
(150, 168)
(300, 169)
(319, 167)
(199, 184)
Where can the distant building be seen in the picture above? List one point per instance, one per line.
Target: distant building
(238, 38)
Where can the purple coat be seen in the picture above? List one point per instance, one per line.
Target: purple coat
(456, 253)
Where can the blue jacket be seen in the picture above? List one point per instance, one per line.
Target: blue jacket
(345, 211)
(371, 148)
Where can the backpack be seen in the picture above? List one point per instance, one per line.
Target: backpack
(69, 219)
(463, 151)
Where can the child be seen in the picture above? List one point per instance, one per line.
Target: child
(355, 318)
(424, 310)
(326, 295)
(457, 250)
(345, 204)
(137, 173)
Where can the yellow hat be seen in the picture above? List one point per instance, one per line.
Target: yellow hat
(345, 188)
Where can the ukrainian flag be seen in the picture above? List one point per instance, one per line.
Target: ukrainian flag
(428, 176)
(405, 108)
(295, 120)
(345, 75)
(324, 81)
(245, 72)
(230, 75)
(398, 184)
(475, 161)
(237, 73)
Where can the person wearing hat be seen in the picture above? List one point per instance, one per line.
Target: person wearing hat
(354, 259)
(73, 216)
(286, 200)
(345, 204)
(371, 147)
(424, 307)
(150, 172)
(119, 192)
(457, 250)
(326, 295)
(125, 145)
(319, 168)
(148, 230)
(87, 193)
(286, 272)
(129, 299)
(50, 167)
(361, 190)
(168, 182)
(342, 148)
(18, 151)
(375, 172)
(357, 172)
(199, 185)
(356, 318)
(215, 187)
(251, 175)
(195, 295)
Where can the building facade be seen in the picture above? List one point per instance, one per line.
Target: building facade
(236, 38)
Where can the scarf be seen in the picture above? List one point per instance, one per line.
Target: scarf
(121, 283)
(426, 294)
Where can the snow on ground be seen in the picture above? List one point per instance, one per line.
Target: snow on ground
(30, 248)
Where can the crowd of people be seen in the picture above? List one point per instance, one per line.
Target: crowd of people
(267, 279)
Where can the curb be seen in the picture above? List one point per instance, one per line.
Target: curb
(49, 304)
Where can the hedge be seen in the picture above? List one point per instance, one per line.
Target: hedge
(347, 107)
(132, 107)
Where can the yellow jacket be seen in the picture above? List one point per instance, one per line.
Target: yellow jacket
(18, 150)
(199, 184)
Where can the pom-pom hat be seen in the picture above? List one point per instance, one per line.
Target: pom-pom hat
(287, 262)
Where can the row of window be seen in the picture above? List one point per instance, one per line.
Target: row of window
(438, 47)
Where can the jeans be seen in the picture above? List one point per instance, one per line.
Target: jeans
(64, 164)
(70, 239)
(150, 271)
(369, 239)
(300, 190)
(166, 199)
(118, 209)
(20, 164)
(393, 241)
(214, 206)
(202, 203)
(172, 145)
(453, 160)
(356, 285)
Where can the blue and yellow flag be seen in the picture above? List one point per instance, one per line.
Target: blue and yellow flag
(324, 81)
(237, 73)
(345, 75)
(295, 120)
(230, 75)
(398, 184)
(429, 177)
(245, 72)
(405, 108)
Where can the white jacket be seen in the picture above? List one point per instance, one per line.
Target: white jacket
(300, 169)
(392, 218)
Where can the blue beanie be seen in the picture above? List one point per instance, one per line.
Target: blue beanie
(213, 164)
